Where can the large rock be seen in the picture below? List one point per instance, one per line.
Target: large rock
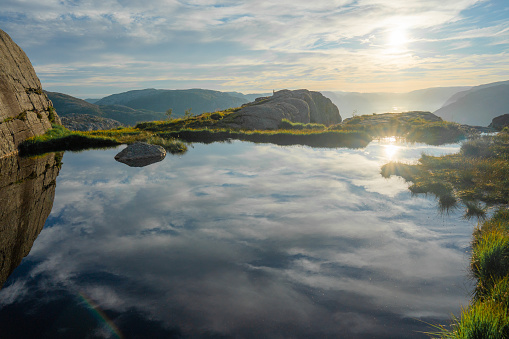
(87, 122)
(297, 106)
(28, 189)
(498, 123)
(25, 110)
(141, 154)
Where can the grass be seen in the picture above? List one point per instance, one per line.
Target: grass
(490, 259)
(288, 125)
(488, 314)
(436, 133)
(171, 145)
(60, 138)
(412, 127)
(478, 179)
(213, 127)
(479, 321)
(315, 138)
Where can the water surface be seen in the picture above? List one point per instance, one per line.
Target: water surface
(240, 240)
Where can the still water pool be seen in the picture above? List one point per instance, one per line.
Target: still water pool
(240, 240)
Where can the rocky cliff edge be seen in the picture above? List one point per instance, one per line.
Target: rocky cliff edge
(25, 110)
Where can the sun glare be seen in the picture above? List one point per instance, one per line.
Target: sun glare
(398, 37)
(391, 150)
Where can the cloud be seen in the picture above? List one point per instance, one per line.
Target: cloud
(233, 236)
(241, 45)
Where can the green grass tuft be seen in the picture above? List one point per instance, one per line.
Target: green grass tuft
(171, 145)
(480, 321)
(490, 258)
(288, 125)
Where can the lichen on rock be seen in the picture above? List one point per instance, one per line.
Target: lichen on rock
(25, 111)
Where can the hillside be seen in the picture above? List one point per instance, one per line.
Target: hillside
(477, 106)
(66, 104)
(428, 99)
(159, 100)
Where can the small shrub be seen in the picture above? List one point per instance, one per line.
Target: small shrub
(479, 147)
(51, 114)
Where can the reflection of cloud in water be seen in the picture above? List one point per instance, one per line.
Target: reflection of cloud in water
(253, 240)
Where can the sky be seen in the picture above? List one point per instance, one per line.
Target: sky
(93, 48)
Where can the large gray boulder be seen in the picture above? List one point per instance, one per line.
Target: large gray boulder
(297, 106)
(25, 110)
(141, 154)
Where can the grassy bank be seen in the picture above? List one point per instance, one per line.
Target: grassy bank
(213, 127)
(477, 180)
(413, 126)
(314, 138)
(61, 139)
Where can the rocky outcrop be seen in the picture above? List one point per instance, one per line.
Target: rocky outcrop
(141, 154)
(498, 123)
(25, 110)
(28, 190)
(386, 118)
(87, 122)
(297, 106)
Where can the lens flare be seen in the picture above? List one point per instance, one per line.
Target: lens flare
(100, 316)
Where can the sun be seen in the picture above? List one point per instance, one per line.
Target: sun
(398, 37)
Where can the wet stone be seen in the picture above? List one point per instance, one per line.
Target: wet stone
(141, 154)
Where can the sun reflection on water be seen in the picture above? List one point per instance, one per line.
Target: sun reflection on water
(391, 150)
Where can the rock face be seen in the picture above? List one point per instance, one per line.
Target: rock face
(297, 106)
(141, 154)
(28, 190)
(87, 122)
(25, 110)
(500, 122)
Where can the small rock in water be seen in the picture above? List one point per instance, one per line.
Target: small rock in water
(141, 154)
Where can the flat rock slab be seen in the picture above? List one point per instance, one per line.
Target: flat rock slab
(141, 154)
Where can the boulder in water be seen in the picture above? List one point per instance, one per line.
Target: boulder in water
(141, 154)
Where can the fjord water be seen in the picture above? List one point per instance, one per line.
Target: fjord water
(240, 240)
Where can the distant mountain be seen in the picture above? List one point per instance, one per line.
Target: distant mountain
(428, 99)
(478, 105)
(92, 101)
(66, 104)
(159, 100)
(461, 94)
(249, 97)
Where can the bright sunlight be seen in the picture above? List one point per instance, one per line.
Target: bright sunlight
(398, 37)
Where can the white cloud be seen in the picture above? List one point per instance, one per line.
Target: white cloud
(241, 45)
(248, 233)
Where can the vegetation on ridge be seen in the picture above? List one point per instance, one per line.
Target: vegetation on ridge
(60, 138)
(413, 126)
(216, 127)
